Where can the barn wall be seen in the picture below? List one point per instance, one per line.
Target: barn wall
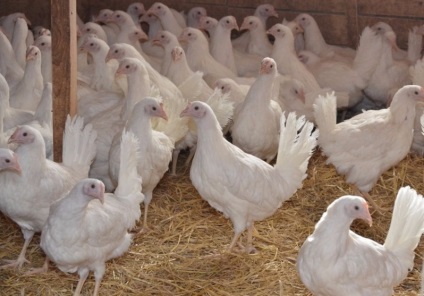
(341, 21)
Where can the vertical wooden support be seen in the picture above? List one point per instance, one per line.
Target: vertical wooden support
(352, 21)
(64, 59)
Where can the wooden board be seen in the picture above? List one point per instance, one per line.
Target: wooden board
(64, 46)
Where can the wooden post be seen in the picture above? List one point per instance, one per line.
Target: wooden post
(64, 60)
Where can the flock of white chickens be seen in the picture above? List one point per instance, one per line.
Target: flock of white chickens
(145, 97)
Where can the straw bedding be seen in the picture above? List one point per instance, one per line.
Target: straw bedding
(184, 253)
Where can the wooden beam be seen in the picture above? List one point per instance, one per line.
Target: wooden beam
(64, 60)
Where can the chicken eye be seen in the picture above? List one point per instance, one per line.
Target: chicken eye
(154, 108)
(278, 30)
(91, 44)
(207, 22)
(7, 160)
(127, 66)
(196, 108)
(135, 7)
(356, 208)
(88, 30)
(116, 51)
(295, 91)
(118, 15)
(416, 93)
(159, 7)
(303, 18)
(189, 34)
(266, 9)
(222, 87)
(271, 66)
(25, 134)
(93, 186)
(250, 23)
(199, 13)
(228, 21)
(163, 36)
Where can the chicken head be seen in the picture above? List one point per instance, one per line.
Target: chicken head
(22, 135)
(33, 52)
(9, 161)
(195, 109)
(152, 107)
(93, 188)
(176, 53)
(229, 22)
(267, 10)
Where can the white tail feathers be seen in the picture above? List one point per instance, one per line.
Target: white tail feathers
(44, 109)
(368, 54)
(415, 44)
(222, 106)
(129, 182)
(297, 142)
(417, 73)
(325, 113)
(79, 148)
(191, 88)
(175, 127)
(407, 224)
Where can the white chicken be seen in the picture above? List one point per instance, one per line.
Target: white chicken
(340, 76)
(82, 233)
(286, 58)
(288, 63)
(258, 43)
(368, 144)
(9, 161)
(155, 149)
(136, 10)
(110, 28)
(190, 83)
(167, 18)
(18, 41)
(26, 199)
(167, 41)
(245, 188)
(9, 67)
(417, 76)
(314, 41)
(44, 43)
(336, 261)
(103, 77)
(27, 93)
(389, 73)
(259, 137)
(220, 43)
(236, 91)
(194, 15)
(263, 12)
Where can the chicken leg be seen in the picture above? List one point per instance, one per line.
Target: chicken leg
(41, 269)
(233, 242)
(250, 249)
(21, 259)
(83, 274)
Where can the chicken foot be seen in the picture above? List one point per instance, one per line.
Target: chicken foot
(41, 269)
(21, 259)
(145, 228)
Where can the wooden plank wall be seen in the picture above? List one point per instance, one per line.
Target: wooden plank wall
(341, 21)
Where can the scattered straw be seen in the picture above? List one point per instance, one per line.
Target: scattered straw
(184, 253)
